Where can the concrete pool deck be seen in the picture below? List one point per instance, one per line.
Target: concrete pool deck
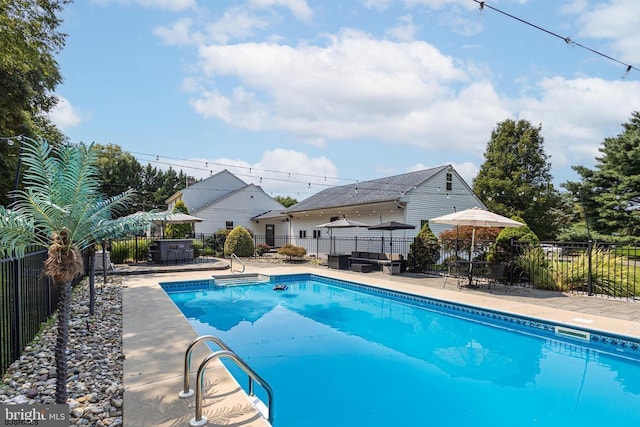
(156, 335)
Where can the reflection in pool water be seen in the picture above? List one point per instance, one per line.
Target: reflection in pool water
(337, 356)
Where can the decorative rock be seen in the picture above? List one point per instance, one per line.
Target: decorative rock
(95, 362)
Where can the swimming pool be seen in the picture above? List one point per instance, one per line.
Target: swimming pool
(344, 354)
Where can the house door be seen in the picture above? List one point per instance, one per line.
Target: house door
(269, 232)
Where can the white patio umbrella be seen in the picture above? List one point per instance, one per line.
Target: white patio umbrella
(340, 223)
(476, 217)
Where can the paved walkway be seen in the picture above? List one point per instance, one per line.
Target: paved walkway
(156, 334)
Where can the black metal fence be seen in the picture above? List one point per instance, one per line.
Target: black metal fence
(27, 299)
(579, 267)
(590, 268)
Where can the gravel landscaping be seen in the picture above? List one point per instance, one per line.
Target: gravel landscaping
(95, 382)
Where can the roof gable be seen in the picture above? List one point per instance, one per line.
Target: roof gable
(208, 190)
(249, 188)
(379, 190)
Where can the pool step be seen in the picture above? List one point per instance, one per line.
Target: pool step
(239, 279)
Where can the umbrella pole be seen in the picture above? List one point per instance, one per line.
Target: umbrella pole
(473, 243)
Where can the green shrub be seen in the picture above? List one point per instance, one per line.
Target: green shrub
(533, 264)
(239, 241)
(262, 249)
(424, 252)
(500, 250)
(609, 274)
(120, 252)
(292, 251)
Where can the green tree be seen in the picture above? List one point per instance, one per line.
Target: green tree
(611, 191)
(61, 209)
(170, 181)
(179, 230)
(29, 74)
(151, 179)
(118, 170)
(286, 201)
(515, 177)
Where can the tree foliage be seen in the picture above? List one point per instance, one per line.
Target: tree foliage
(610, 192)
(515, 177)
(502, 249)
(460, 237)
(62, 209)
(286, 201)
(119, 170)
(240, 242)
(179, 230)
(29, 74)
(292, 251)
(425, 249)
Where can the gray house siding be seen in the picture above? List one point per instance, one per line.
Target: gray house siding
(410, 198)
(434, 198)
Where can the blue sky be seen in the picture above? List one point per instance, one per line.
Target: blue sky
(296, 95)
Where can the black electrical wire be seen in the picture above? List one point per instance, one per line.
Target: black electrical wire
(483, 5)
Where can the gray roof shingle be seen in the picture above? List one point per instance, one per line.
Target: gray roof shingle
(379, 190)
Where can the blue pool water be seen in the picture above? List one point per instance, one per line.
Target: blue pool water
(344, 355)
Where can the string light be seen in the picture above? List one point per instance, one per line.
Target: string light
(567, 40)
(375, 185)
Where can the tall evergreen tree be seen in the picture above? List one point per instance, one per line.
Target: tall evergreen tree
(515, 178)
(611, 191)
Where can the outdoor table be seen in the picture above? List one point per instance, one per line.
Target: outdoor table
(339, 261)
(464, 268)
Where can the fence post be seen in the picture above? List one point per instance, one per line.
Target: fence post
(135, 256)
(589, 275)
(510, 258)
(16, 339)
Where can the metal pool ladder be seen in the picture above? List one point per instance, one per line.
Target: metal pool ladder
(200, 420)
(233, 255)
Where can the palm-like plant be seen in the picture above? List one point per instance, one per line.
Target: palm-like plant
(61, 209)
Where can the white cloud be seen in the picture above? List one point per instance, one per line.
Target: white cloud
(64, 115)
(179, 33)
(301, 170)
(235, 24)
(577, 115)
(405, 30)
(354, 87)
(171, 5)
(615, 20)
(299, 8)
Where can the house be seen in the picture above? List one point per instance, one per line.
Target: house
(411, 198)
(225, 201)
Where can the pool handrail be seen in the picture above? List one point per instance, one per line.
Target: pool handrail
(233, 255)
(199, 419)
(186, 390)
